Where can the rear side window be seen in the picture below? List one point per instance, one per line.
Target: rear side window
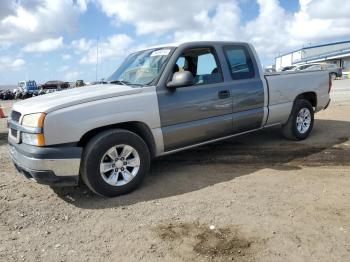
(239, 62)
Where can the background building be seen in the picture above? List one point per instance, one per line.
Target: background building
(335, 53)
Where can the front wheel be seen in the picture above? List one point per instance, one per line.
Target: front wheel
(300, 122)
(115, 162)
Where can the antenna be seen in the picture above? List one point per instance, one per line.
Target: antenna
(97, 57)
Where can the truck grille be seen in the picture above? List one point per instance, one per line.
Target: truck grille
(14, 133)
(15, 116)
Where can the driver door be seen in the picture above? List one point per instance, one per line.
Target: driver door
(200, 112)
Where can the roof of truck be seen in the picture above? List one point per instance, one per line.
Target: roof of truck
(177, 44)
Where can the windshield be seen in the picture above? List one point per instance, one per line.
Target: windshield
(141, 68)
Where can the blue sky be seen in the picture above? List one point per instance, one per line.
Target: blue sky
(56, 39)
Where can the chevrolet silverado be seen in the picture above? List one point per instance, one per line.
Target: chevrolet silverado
(159, 101)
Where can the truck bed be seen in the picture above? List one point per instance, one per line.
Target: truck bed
(284, 87)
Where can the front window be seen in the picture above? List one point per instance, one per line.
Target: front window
(201, 63)
(141, 68)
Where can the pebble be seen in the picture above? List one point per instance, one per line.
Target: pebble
(70, 198)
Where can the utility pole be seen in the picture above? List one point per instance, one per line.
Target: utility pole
(97, 57)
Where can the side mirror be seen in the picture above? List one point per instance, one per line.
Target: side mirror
(180, 79)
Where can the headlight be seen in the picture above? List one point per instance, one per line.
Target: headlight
(34, 120)
(33, 139)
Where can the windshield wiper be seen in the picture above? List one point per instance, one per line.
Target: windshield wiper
(120, 82)
(124, 83)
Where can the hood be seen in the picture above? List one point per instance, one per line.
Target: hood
(61, 99)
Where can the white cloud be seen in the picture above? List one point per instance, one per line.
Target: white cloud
(268, 30)
(82, 4)
(66, 56)
(12, 64)
(37, 26)
(18, 63)
(157, 16)
(6, 8)
(113, 47)
(326, 9)
(83, 45)
(46, 45)
(274, 30)
(321, 20)
(224, 24)
(32, 21)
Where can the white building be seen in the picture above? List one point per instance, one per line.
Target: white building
(335, 53)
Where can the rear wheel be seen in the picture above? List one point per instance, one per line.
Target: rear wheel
(115, 162)
(300, 122)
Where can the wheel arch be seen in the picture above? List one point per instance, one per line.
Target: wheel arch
(136, 127)
(309, 96)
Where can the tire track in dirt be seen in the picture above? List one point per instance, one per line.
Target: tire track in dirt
(215, 244)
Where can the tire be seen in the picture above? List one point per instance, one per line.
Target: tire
(117, 181)
(294, 131)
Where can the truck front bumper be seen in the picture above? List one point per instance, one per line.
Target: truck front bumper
(56, 166)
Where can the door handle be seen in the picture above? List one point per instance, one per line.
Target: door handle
(224, 94)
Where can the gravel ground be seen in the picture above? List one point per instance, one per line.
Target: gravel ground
(257, 197)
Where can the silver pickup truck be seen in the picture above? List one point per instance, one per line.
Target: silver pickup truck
(159, 101)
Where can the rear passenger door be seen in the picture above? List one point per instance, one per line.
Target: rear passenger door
(246, 87)
(197, 113)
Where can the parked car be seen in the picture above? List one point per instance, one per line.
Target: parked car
(301, 67)
(6, 95)
(98, 82)
(333, 70)
(160, 101)
(270, 70)
(79, 83)
(288, 68)
(52, 86)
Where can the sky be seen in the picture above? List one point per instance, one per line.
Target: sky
(46, 40)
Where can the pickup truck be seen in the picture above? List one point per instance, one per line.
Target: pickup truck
(159, 101)
(27, 86)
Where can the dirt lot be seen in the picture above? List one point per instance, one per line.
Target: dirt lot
(254, 198)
